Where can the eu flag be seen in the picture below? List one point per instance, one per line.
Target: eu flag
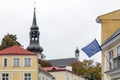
(92, 48)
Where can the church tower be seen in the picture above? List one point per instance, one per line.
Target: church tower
(34, 45)
(77, 54)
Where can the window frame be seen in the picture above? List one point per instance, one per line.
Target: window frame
(27, 78)
(17, 63)
(118, 48)
(5, 64)
(5, 76)
(27, 64)
(110, 58)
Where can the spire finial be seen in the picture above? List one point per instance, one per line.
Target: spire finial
(34, 15)
(34, 4)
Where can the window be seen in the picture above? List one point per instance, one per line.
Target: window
(5, 76)
(110, 59)
(67, 78)
(42, 78)
(118, 51)
(27, 62)
(5, 62)
(16, 62)
(27, 76)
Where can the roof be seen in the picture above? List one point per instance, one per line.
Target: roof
(110, 15)
(15, 50)
(41, 69)
(62, 62)
(117, 33)
(57, 69)
(49, 69)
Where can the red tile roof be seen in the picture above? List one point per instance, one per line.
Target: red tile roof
(15, 50)
(56, 69)
(42, 69)
(49, 69)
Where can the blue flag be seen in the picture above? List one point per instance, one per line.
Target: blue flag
(92, 48)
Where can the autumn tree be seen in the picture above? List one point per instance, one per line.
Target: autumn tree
(9, 40)
(44, 63)
(87, 68)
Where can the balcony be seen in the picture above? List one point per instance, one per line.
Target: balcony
(114, 70)
(116, 62)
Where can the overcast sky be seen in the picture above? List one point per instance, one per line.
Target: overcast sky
(63, 24)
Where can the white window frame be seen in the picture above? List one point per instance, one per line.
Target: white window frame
(110, 58)
(16, 64)
(5, 76)
(27, 77)
(118, 47)
(28, 64)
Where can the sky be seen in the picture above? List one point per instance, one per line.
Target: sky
(63, 24)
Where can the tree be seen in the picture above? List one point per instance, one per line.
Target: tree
(88, 69)
(8, 41)
(44, 63)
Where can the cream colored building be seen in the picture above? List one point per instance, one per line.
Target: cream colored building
(63, 74)
(18, 64)
(110, 38)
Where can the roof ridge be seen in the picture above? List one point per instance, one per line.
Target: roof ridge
(15, 50)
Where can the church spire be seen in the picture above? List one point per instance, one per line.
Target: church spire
(34, 24)
(34, 45)
(77, 53)
(34, 17)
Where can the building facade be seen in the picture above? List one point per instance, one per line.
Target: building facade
(63, 74)
(110, 40)
(18, 64)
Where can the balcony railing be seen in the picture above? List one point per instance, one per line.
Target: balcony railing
(116, 62)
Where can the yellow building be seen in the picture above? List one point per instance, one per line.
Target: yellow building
(18, 64)
(63, 74)
(110, 39)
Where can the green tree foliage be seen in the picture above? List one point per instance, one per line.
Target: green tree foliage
(9, 40)
(44, 63)
(88, 68)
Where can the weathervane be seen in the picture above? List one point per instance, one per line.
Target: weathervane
(34, 4)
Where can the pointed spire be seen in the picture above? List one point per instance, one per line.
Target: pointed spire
(77, 53)
(77, 50)
(34, 17)
(34, 24)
